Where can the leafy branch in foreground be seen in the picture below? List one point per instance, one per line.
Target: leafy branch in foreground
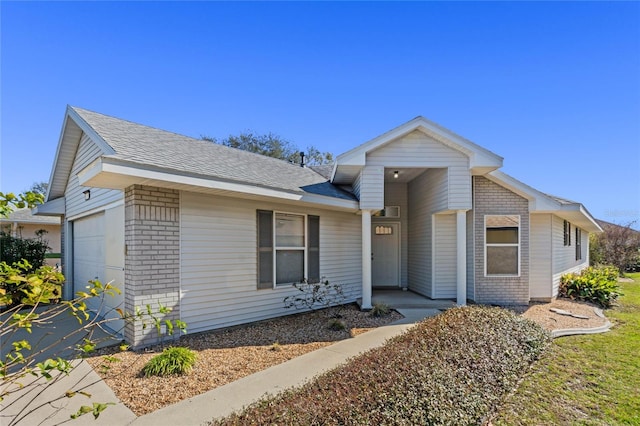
(30, 303)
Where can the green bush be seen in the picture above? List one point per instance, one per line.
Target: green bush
(451, 369)
(336, 324)
(380, 310)
(174, 360)
(13, 250)
(596, 285)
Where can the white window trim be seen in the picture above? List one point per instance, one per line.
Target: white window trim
(276, 247)
(518, 245)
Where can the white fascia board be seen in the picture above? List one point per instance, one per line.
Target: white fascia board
(50, 208)
(479, 156)
(100, 166)
(95, 137)
(538, 201)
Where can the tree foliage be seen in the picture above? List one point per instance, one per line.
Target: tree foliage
(618, 245)
(272, 145)
(39, 187)
(10, 201)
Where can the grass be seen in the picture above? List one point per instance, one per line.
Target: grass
(587, 380)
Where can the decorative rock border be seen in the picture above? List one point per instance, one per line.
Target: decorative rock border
(575, 331)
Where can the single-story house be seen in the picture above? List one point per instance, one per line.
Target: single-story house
(219, 234)
(21, 223)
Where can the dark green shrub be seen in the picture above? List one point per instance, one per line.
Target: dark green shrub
(175, 360)
(336, 324)
(596, 285)
(447, 370)
(380, 310)
(16, 249)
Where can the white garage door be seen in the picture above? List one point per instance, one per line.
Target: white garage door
(98, 253)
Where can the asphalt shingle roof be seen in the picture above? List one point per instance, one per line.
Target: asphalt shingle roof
(143, 145)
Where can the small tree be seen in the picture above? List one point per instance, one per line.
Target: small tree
(272, 145)
(30, 298)
(618, 245)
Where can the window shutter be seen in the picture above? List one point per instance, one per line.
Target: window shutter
(265, 249)
(313, 249)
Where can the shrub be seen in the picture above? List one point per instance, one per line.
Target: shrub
(596, 285)
(33, 250)
(380, 310)
(336, 324)
(450, 369)
(175, 360)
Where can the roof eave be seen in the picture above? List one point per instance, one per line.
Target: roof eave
(113, 174)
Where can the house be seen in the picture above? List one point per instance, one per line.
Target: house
(219, 234)
(22, 224)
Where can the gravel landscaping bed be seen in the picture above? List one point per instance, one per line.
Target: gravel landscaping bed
(228, 355)
(542, 314)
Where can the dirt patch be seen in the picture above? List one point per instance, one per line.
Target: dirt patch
(542, 314)
(228, 355)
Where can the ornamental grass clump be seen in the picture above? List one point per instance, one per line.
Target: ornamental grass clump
(452, 369)
(595, 285)
(171, 361)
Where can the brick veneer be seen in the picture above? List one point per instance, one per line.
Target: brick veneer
(492, 199)
(152, 239)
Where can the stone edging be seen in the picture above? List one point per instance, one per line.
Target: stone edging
(575, 331)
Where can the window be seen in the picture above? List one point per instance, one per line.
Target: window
(578, 244)
(567, 233)
(288, 248)
(502, 250)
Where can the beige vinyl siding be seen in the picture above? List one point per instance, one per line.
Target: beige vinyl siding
(564, 257)
(541, 257)
(419, 150)
(444, 268)
(426, 195)
(218, 263)
(372, 187)
(74, 197)
(395, 194)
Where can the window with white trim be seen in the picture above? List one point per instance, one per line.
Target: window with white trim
(502, 245)
(578, 243)
(567, 233)
(288, 248)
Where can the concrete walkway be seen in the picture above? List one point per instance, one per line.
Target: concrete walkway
(216, 403)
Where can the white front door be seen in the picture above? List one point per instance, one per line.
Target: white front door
(385, 254)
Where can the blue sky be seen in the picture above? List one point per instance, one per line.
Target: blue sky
(554, 88)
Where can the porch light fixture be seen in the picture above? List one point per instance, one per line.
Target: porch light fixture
(87, 194)
(395, 174)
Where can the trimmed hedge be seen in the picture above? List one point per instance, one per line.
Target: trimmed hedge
(450, 369)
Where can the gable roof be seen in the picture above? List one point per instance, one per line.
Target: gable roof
(25, 216)
(539, 202)
(128, 146)
(481, 160)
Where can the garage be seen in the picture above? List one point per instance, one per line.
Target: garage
(98, 253)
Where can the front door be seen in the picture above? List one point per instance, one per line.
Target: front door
(385, 254)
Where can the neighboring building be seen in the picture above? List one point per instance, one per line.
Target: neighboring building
(22, 224)
(219, 234)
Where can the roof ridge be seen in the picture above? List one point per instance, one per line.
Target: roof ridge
(200, 140)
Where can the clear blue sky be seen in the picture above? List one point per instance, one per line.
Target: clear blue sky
(554, 88)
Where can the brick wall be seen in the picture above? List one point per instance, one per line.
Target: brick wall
(152, 239)
(492, 199)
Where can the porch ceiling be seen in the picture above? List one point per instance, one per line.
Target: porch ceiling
(404, 174)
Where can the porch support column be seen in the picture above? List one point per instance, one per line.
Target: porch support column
(461, 256)
(366, 260)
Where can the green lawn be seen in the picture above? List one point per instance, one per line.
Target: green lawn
(586, 380)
